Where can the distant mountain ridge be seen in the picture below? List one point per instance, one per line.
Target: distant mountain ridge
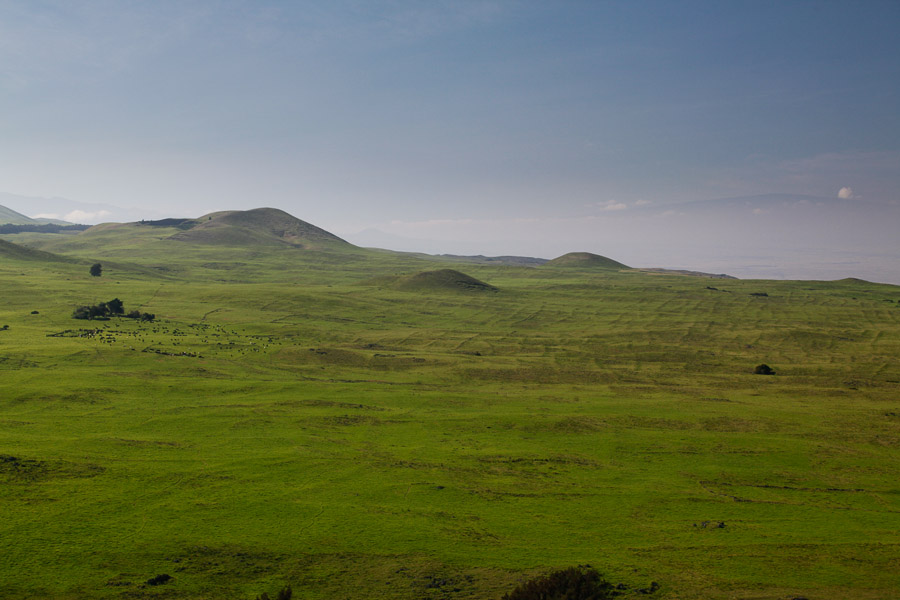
(769, 201)
(236, 228)
(7, 215)
(11, 217)
(74, 211)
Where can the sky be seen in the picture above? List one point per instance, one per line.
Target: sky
(430, 119)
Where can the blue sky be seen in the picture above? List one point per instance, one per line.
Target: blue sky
(355, 114)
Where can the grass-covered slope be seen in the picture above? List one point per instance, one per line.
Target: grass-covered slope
(584, 260)
(11, 250)
(8, 215)
(281, 424)
(224, 233)
(260, 226)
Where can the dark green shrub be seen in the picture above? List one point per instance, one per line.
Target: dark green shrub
(96, 269)
(136, 314)
(159, 579)
(764, 369)
(284, 594)
(82, 312)
(574, 583)
(115, 307)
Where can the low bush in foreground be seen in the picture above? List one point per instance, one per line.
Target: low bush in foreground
(284, 594)
(574, 583)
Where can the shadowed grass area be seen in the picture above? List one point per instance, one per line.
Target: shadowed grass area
(281, 424)
(442, 280)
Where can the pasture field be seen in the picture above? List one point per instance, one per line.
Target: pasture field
(293, 417)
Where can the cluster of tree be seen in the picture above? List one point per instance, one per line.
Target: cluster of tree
(113, 308)
(42, 228)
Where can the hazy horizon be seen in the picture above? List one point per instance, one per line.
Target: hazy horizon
(521, 126)
(772, 236)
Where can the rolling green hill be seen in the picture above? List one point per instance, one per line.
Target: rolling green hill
(261, 226)
(306, 413)
(8, 215)
(10, 250)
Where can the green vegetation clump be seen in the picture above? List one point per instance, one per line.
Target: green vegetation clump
(113, 308)
(574, 583)
(159, 579)
(284, 593)
(763, 369)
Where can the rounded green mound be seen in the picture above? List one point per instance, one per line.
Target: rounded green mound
(259, 226)
(585, 260)
(443, 280)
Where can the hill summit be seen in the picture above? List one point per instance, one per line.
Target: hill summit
(259, 226)
(11, 217)
(585, 260)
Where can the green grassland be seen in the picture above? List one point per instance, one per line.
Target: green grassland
(327, 417)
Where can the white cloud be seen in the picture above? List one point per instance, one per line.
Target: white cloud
(819, 175)
(81, 216)
(643, 203)
(846, 193)
(610, 205)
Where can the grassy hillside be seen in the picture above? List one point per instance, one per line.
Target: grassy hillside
(585, 260)
(13, 251)
(8, 215)
(285, 422)
(261, 226)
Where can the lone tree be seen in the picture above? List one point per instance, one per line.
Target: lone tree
(96, 269)
(764, 369)
(116, 307)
